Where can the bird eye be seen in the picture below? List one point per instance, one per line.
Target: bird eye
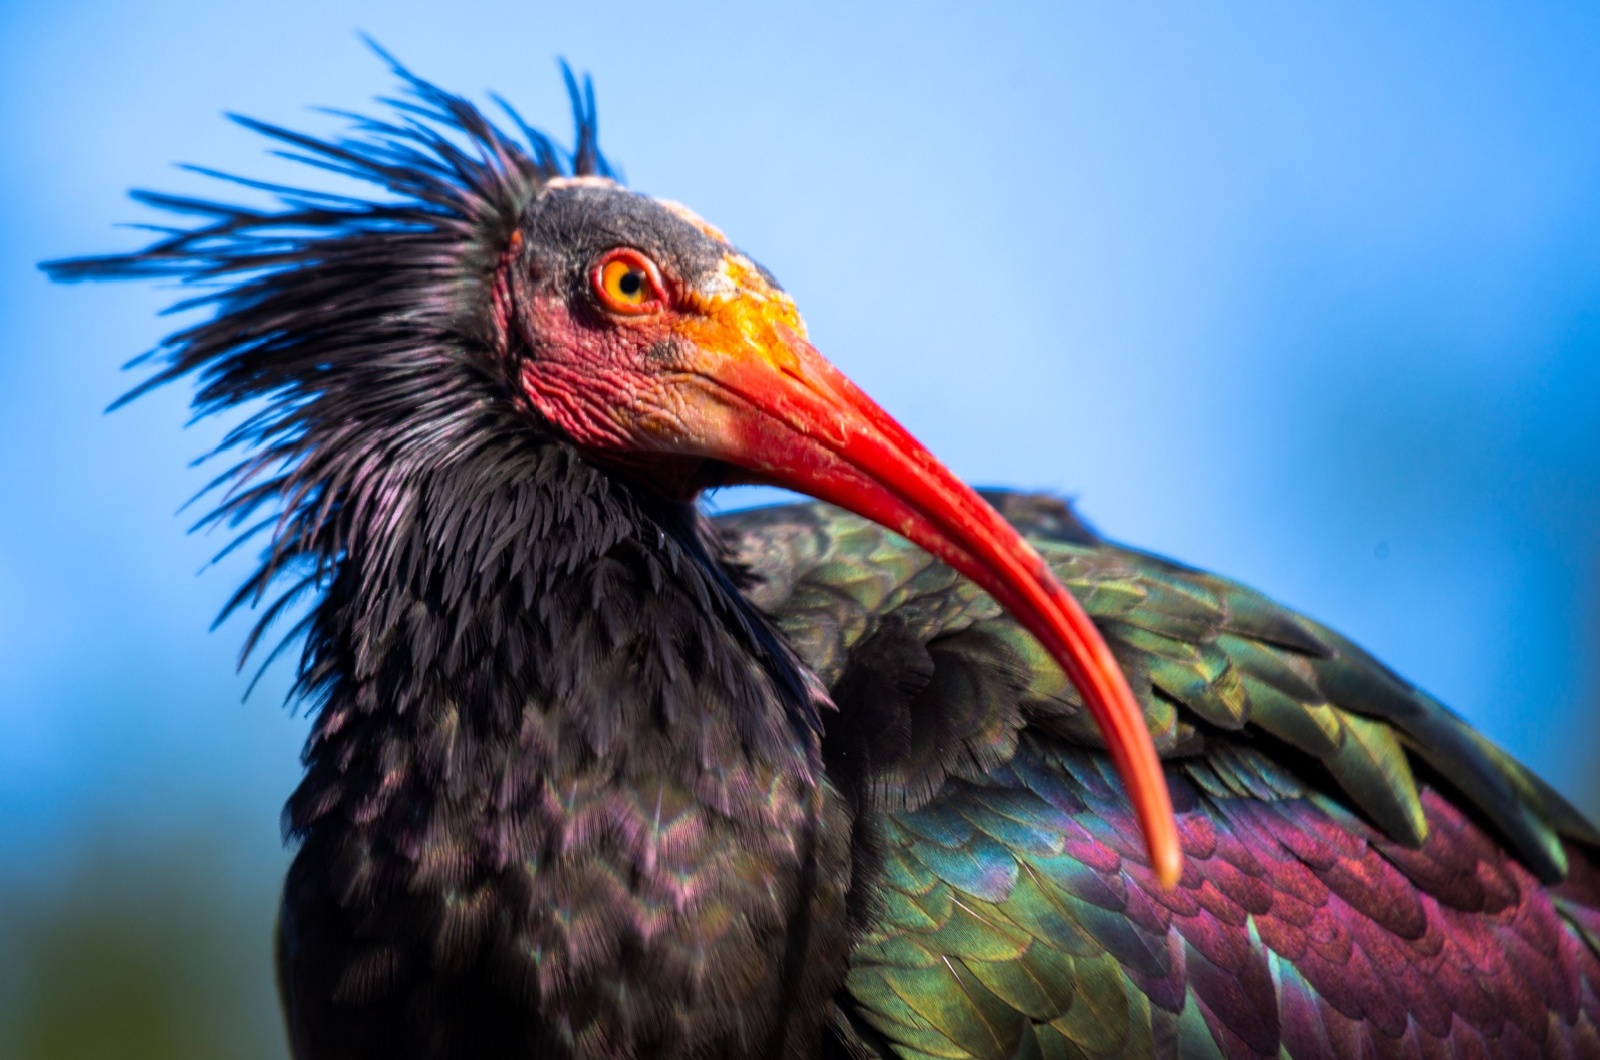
(627, 282)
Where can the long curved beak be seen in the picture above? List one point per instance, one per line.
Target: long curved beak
(763, 399)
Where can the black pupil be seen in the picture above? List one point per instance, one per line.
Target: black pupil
(631, 284)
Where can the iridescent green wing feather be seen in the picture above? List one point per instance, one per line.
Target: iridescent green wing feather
(1007, 909)
(1204, 655)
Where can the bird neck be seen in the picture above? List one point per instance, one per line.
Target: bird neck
(519, 620)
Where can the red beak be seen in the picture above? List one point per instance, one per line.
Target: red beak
(739, 384)
(804, 426)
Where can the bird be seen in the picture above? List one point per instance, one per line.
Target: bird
(903, 770)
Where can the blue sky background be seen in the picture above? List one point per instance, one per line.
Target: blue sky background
(1308, 297)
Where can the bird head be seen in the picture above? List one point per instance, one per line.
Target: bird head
(576, 309)
(670, 357)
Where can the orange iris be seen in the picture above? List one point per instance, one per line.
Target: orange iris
(626, 282)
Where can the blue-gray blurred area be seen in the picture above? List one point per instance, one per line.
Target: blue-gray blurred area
(1307, 296)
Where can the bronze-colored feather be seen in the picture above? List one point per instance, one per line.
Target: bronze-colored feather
(592, 776)
(1348, 891)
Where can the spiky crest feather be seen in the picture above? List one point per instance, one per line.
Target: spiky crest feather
(355, 320)
(493, 619)
(996, 900)
(373, 332)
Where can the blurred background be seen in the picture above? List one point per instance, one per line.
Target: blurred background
(1309, 298)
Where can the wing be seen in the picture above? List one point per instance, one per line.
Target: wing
(1348, 886)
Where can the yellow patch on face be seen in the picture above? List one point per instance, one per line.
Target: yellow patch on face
(739, 313)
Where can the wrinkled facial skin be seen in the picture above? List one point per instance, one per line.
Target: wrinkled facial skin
(634, 390)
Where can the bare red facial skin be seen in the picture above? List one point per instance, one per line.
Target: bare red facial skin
(708, 381)
(594, 381)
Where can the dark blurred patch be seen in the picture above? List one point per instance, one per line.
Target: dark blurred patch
(1591, 797)
(140, 954)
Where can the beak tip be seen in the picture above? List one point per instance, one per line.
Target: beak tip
(813, 431)
(1168, 864)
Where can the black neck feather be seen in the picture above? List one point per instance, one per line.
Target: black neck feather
(519, 604)
(563, 784)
